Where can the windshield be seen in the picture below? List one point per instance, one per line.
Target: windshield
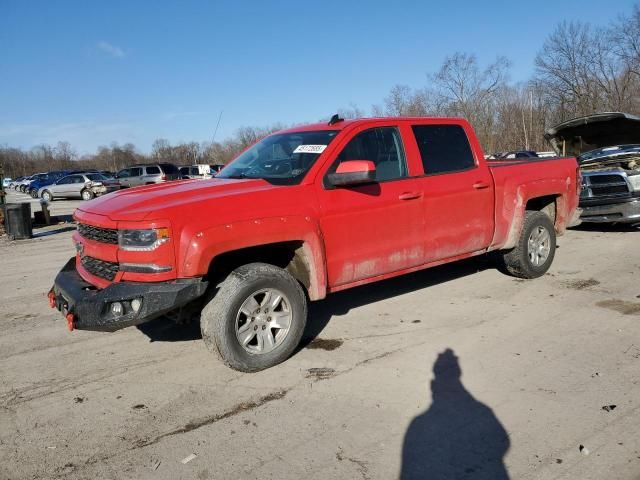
(282, 159)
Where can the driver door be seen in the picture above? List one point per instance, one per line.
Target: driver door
(373, 229)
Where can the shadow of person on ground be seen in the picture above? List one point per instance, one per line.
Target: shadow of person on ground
(458, 437)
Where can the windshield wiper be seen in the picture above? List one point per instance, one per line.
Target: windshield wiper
(238, 176)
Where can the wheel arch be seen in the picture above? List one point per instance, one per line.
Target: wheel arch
(550, 204)
(294, 256)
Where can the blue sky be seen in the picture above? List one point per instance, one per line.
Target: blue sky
(95, 72)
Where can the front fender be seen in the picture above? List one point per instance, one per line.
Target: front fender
(201, 247)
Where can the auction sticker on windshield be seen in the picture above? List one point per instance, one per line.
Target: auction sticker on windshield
(310, 149)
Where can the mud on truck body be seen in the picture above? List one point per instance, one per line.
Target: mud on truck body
(301, 214)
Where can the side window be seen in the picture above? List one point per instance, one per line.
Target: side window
(123, 173)
(443, 148)
(152, 170)
(65, 180)
(77, 179)
(135, 172)
(382, 146)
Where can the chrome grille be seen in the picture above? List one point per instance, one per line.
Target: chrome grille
(100, 268)
(604, 185)
(98, 234)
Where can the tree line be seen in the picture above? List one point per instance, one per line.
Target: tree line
(580, 69)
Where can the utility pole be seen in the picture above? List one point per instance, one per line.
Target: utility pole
(2, 184)
(213, 139)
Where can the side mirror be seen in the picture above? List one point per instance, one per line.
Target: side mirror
(353, 172)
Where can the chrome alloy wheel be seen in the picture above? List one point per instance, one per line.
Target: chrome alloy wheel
(539, 246)
(263, 321)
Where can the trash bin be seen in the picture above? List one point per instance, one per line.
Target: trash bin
(17, 221)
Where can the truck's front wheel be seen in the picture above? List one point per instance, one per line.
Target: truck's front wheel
(256, 318)
(536, 247)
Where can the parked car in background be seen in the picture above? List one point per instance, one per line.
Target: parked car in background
(147, 174)
(196, 172)
(22, 186)
(6, 182)
(215, 169)
(515, 154)
(44, 180)
(15, 182)
(79, 185)
(608, 150)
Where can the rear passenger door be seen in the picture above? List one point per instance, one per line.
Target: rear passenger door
(458, 193)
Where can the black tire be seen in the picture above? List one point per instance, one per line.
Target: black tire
(33, 193)
(87, 195)
(219, 316)
(517, 261)
(45, 194)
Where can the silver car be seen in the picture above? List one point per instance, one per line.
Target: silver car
(147, 174)
(78, 185)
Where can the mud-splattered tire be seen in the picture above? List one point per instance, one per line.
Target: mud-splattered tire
(46, 196)
(87, 195)
(535, 249)
(237, 328)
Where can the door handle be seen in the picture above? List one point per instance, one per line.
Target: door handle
(480, 185)
(409, 195)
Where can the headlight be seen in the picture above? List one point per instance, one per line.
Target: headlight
(634, 180)
(142, 240)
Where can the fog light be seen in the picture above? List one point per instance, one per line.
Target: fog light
(136, 303)
(116, 308)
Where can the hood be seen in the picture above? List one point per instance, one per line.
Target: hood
(152, 202)
(580, 135)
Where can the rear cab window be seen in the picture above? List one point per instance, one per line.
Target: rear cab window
(443, 148)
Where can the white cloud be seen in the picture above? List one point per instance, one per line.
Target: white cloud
(111, 49)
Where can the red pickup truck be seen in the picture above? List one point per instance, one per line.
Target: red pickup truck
(302, 213)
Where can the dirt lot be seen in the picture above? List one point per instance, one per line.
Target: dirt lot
(377, 394)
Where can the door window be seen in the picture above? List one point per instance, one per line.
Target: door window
(77, 179)
(443, 148)
(65, 180)
(152, 170)
(124, 173)
(382, 146)
(135, 172)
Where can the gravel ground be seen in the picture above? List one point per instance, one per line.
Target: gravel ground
(458, 371)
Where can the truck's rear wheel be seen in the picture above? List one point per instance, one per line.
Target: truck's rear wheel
(256, 319)
(536, 247)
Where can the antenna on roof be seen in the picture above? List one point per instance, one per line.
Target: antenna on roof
(335, 119)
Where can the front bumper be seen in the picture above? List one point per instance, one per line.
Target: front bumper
(88, 308)
(625, 212)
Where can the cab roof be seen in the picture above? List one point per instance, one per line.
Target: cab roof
(342, 124)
